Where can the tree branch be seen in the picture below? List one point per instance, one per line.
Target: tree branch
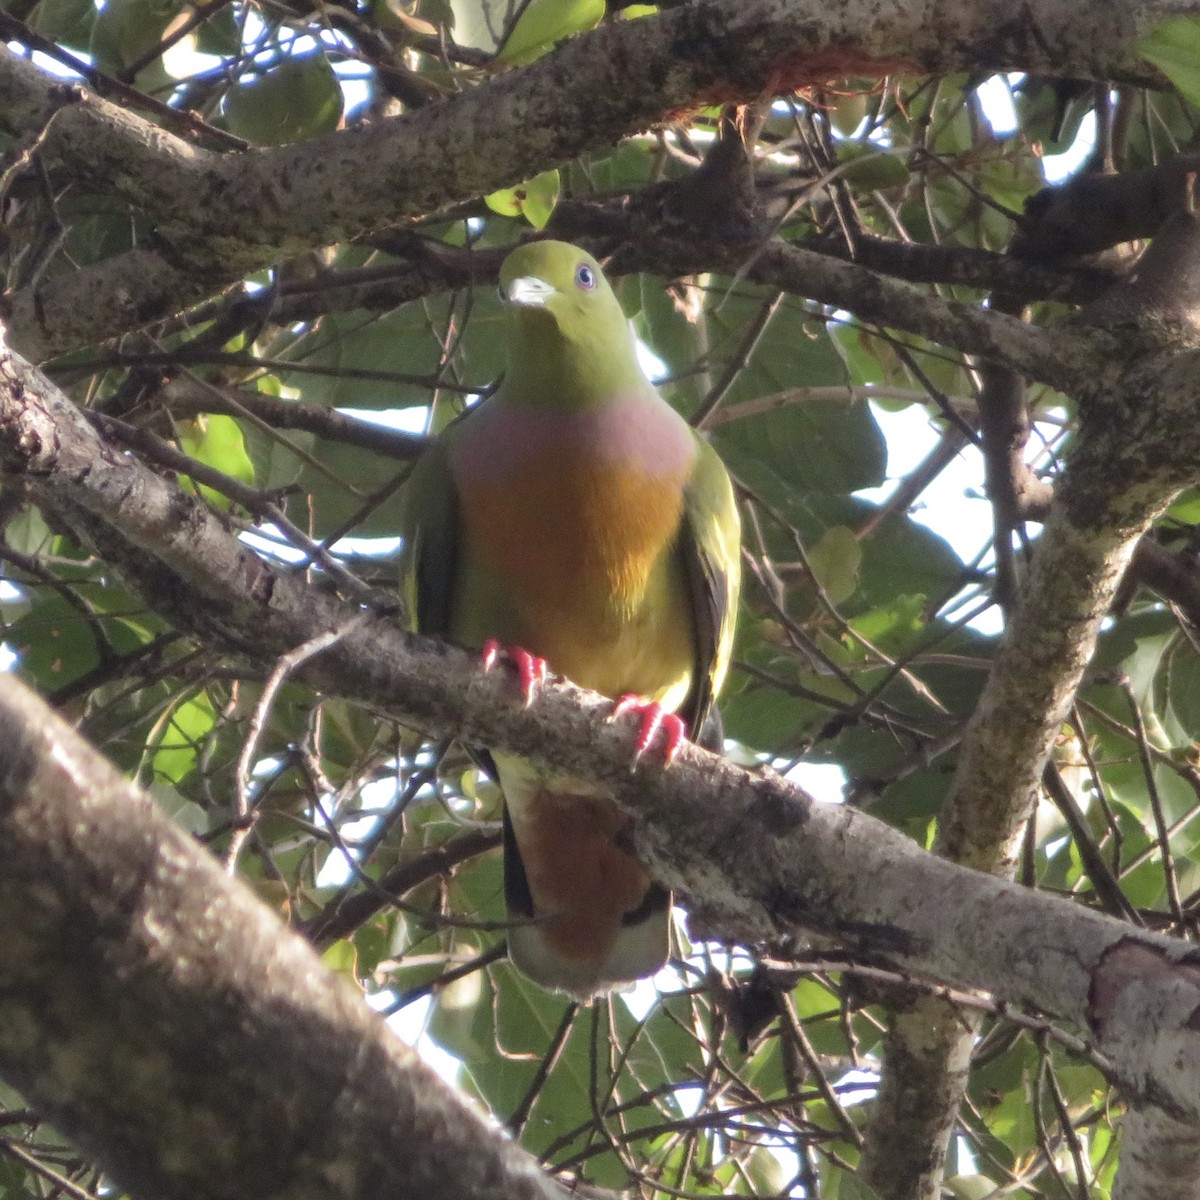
(150, 1002)
(1094, 212)
(220, 216)
(755, 857)
(1103, 506)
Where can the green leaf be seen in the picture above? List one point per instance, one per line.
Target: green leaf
(28, 531)
(767, 719)
(1174, 47)
(407, 341)
(851, 1187)
(835, 560)
(769, 415)
(342, 959)
(970, 1187)
(1185, 508)
(15, 1183)
(671, 321)
(891, 628)
(1044, 117)
(182, 811)
(1178, 693)
(765, 1172)
(904, 558)
(776, 453)
(626, 165)
(67, 22)
(299, 97)
(864, 165)
(217, 442)
(180, 737)
(55, 641)
(59, 640)
(220, 34)
(534, 199)
(544, 23)
(125, 30)
(848, 111)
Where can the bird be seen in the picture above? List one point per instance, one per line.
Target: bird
(574, 523)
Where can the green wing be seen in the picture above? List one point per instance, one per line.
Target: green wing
(429, 526)
(710, 544)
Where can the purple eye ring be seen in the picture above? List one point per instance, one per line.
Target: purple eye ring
(585, 277)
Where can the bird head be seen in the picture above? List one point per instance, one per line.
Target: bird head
(569, 343)
(558, 280)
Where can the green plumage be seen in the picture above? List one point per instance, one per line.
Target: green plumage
(575, 515)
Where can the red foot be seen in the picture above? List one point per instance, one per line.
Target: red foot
(653, 718)
(531, 670)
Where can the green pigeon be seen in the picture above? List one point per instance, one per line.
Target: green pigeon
(576, 522)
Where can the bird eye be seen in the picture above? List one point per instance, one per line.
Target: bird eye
(585, 277)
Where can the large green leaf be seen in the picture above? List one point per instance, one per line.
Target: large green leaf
(216, 441)
(298, 98)
(181, 738)
(534, 199)
(1174, 47)
(408, 343)
(544, 23)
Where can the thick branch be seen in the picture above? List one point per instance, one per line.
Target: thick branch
(431, 268)
(1073, 579)
(757, 858)
(1059, 357)
(1135, 451)
(926, 1065)
(221, 216)
(1056, 358)
(150, 1002)
(731, 872)
(1090, 213)
(187, 395)
(1164, 1154)
(1173, 576)
(1137, 447)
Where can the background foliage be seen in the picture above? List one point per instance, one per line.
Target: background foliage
(864, 639)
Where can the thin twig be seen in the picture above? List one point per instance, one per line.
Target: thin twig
(287, 663)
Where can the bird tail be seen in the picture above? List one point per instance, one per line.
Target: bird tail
(587, 917)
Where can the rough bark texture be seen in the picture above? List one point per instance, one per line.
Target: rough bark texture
(1131, 458)
(134, 948)
(926, 1060)
(1059, 360)
(1136, 449)
(1071, 584)
(220, 216)
(185, 562)
(1159, 1158)
(755, 858)
(149, 1003)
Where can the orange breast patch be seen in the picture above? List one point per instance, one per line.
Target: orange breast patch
(573, 545)
(559, 530)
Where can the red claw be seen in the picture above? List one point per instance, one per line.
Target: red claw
(531, 670)
(653, 718)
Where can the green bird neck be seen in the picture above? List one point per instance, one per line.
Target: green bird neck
(547, 367)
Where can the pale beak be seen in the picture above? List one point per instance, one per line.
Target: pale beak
(528, 291)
